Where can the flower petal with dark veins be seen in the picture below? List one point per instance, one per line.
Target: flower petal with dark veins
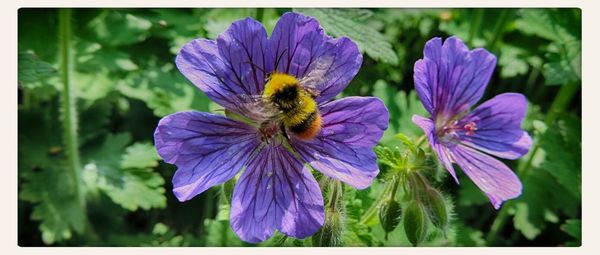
(450, 78)
(207, 149)
(231, 70)
(498, 123)
(493, 177)
(343, 150)
(275, 192)
(300, 48)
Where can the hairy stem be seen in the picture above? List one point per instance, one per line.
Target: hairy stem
(68, 104)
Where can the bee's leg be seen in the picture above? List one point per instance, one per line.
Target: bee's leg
(313, 92)
(284, 132)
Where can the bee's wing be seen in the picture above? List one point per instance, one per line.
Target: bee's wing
(257, 108)
(316, 75)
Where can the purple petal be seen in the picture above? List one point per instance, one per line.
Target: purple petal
(344, 148)
(494, 178)
(207, 149)
(299, 47)
(498, 123)
(450, 78)
(276, 193)
(441, 151)
(230, 69)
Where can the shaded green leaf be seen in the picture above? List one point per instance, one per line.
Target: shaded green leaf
(52, 192)
(354, 24)
(126, 179)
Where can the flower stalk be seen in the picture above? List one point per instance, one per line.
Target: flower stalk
(68, 104)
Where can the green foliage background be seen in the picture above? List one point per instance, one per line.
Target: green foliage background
(123, 79)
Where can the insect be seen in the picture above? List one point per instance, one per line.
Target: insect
(291, 101)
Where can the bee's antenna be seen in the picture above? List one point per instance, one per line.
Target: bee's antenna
(278, 59)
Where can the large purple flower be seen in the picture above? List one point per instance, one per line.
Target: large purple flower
(449, 80)
(276, 190)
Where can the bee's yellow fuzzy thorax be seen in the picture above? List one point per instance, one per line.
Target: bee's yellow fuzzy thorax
(278, 81)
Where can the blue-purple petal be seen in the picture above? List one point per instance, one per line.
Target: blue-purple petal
(230, 70)
(450, 78)
(299, 47)
(207, 149)
(440, 150)
(343, 150)
(498, 123)
(494, 178)
(276, 193)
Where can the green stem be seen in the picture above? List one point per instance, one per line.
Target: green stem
(476, 25)
(372, 211)
(498, 28)
(561, 102)
(68, 104)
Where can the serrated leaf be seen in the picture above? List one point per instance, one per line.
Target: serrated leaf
(140, 155)
(32, 69)
(132, 188)
(531, 212)
(56, 207)
(354, 24)
(117, 28)
(564, 64)
(573, 228)
(513, 61)
(164, 90)
(551, 24)
(562, 147)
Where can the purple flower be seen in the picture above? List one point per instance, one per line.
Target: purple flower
(276, 190)
(449, 80)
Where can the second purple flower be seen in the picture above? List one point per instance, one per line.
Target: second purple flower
(449, 80)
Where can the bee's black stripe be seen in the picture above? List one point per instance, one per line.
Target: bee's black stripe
(305, 124)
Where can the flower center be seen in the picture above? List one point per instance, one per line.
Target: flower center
(449, 133)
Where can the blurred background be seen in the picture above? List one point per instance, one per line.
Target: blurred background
(88, 173)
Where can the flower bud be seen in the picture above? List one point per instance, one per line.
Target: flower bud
(438, 213)
(415, 222)
(389, 215)
(330, 235)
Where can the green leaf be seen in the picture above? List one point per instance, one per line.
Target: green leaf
(140, 155)
(573, 228)
(117, 28)
(354, 24)
(402, 107)
(563, 28)
(126, 179)
(513, 61)
(531, 213)
(32, 69)
(56, 207)
(164, 90)
(562, 147)
(552, 24)
(218, 231)
(564, 64)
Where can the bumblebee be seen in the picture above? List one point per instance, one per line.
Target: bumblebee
(295, 102)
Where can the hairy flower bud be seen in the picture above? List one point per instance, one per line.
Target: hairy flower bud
(415, 222)
(438, 213)
(389, 215)
(330, 235)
